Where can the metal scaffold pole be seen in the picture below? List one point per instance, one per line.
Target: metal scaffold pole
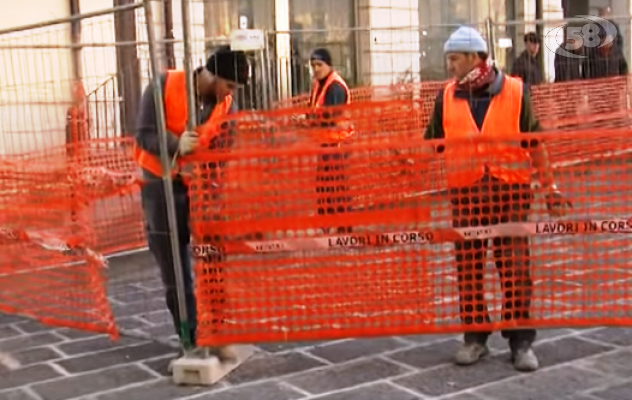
(184, 328)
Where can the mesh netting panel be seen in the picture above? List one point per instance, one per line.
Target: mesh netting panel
(295, 240)
(48, 267)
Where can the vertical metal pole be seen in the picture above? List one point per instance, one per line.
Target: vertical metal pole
(491, 38)
(166, 178)
(539, 29)
(128, 67)
(168, 16)
(188, 69)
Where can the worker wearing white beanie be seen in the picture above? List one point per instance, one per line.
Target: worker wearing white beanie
(490, 184)
(465, 40)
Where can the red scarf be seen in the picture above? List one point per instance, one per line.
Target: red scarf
(482, 75)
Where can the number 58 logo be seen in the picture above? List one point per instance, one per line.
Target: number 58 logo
(586, 35)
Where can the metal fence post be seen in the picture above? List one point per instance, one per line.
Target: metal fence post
(185, 332)
(491, 38)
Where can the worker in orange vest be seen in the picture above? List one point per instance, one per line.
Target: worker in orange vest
(215, 84)
(328, 90)
(489, 183)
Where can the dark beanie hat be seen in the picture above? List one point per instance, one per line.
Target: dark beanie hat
(229, 65)
(321, 55)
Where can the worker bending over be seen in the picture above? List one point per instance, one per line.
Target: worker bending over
(214, 85)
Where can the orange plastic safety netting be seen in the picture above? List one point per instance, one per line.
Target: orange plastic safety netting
(594, 103)
(293, 240)
(49, 269)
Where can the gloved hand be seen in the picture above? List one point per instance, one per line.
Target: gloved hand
(557, 204)
(189, 142)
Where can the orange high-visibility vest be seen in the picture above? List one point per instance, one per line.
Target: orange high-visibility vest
(176, 116)
(343, 130)
(504, 158)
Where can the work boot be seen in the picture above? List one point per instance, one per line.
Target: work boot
(470, 353)
(524, 359)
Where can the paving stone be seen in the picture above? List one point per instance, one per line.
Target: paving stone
(615, 364)
(82, 385)
(139, 296)
(265, 366)
(449, 379)
(161, 390)
(428, 356)
(463, 396)
(139, 309)
(77, 334)
(353, 349)
(7, 331)
(497, 342)
(116, 290)
(95, 344)
(565, 350)
(552, 384)
(261, 391)
(16, 395)
(158, 317)
(286, 346)
(346, 375)
(380, 391)
(6, 319)
(617, 336)
(160, 365)
(33, 327)
(26, 376)
(36, 355)
(164, 330)
(131, 323)
(28, 341)
(425, 339)
(109, 358)
(617, 392)
(151, 284)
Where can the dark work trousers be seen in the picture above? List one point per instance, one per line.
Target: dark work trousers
(157, 226)
(332, 185)
(490, 202)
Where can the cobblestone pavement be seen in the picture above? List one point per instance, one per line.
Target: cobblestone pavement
(60, 364)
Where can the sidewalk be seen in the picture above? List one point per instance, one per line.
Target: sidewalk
(60, 364)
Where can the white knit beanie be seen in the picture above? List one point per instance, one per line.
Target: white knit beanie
(465, 40)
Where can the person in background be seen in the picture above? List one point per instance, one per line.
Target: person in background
(215, 84)
(606, 60)
(606, 13)
(489, 185)
(526, 66)
(328, 90)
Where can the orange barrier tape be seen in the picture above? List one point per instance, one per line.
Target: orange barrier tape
(279, 256)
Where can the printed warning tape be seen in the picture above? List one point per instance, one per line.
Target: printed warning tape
(434, 236)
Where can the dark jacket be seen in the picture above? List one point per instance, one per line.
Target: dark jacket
(147, 126)
(479, 103)
(570, 69)
(527, 68)
(608, 63)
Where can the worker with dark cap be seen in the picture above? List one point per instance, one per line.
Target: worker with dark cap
(329, 89)
(214, 85)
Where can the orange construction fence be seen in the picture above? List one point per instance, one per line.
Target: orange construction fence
(49, 268)
(601, 103)
(295, 241)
